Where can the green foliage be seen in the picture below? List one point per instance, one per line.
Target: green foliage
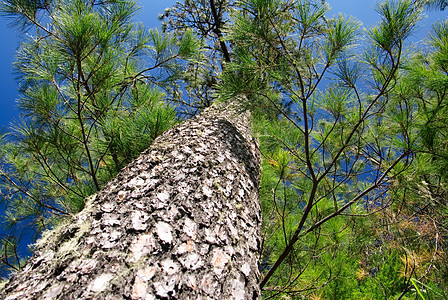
(423, 88)
(334, 136)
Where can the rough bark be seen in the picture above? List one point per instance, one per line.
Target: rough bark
(180, 222)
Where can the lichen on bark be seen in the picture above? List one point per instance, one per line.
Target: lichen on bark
(180, 222)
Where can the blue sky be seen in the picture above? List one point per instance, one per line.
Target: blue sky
(361, 9)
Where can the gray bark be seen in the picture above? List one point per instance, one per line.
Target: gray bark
(180, 222)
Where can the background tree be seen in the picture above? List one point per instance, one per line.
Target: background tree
(209, 20)
(418, 219)
(91, 100)
(326, 148)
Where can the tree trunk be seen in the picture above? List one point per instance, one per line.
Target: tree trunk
(180, 222)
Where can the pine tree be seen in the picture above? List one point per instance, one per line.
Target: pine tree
(180, 221)
(420, 220)
(328, 148)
